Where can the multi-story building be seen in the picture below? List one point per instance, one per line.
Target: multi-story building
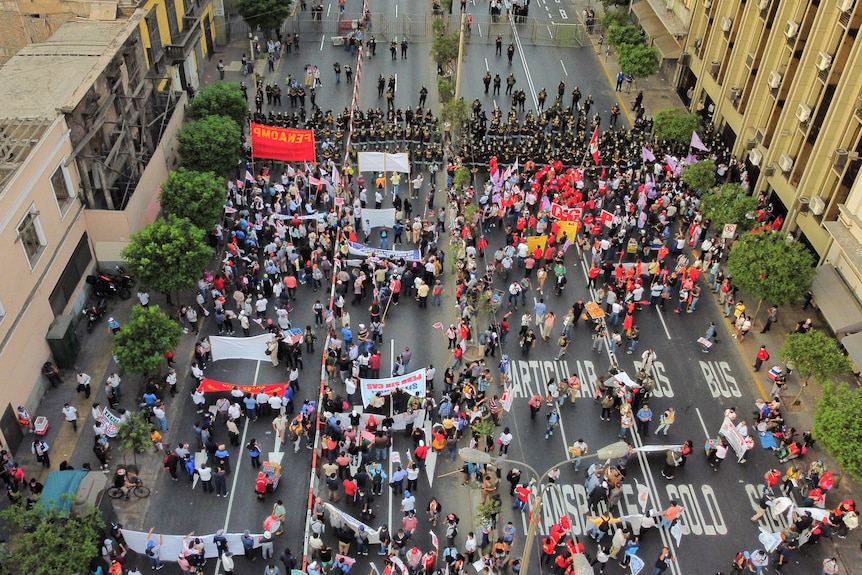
(781, 82)
(88, 122)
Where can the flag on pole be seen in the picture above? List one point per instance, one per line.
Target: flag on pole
(689, 160)
(312, 181)
(671, 162)
(697, 143)
(249, 177)
(643, 495)
(434, 541)
(594, 145)
(336, 177)
(290, 172)
(647, 154)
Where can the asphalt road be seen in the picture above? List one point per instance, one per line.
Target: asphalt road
(699, 386)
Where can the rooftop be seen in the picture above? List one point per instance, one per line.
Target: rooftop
(44, 79)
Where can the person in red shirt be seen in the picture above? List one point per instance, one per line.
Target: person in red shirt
(522, 493)
(762, 355)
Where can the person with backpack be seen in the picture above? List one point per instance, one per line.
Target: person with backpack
(40, 450)
(154, 551)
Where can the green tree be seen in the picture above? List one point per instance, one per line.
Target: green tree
(455, 112)
(838, 425)
(265, 14)
(815, 354)
(211, 144)
(729, 204)
(768, 266)
(462, 178)
(444, 46)
(220, 99)
(168, 255)
(197, 196)
(44, 540)
(618, 17)
(625, 34)
(134, 433)
(142, 342)
(638, 60)
(675, 125)
(445, 89)
(700, 176)
(489, 509)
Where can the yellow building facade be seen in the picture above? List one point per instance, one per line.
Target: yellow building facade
(781, 81)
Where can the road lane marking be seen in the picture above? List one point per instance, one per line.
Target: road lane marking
(524, 62)
(487, 69)
(563, 14)
(702, 424)
(564, 68)
(661, 317)
(322, 41)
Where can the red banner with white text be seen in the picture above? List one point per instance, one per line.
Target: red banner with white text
(211, 385)
(286, 144)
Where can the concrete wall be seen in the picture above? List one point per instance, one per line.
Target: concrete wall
(110, 230)
(25, 288)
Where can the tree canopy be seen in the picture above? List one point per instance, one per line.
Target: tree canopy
(265, 14)
(141, 343)
(211, 144)
(729, 204)
(624, 34)
(44, 541)
(768, 266)
(168, 255)
(444, 46)
(815, 354)
(220, 99)
(700, 176)
(838, 425)
(198, 196)
(638, 60)
(675, 125)
(134, 433)
(618, 17)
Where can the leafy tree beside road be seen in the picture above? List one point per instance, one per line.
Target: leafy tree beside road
(768, 266)
(220, 99)
(676, 125)
(45, 541)
(142, 342)
(837, 425)
(729, 204)
(265, 14)
(211, 144)
(700, 176)
(168, 255)
(197, 196)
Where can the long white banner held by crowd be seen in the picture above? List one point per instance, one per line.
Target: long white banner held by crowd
(364, 250)
(383, 218)
(412, 383)
(383, 162)
(240, 347)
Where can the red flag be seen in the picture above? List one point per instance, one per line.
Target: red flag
(287, 144)
(594, 145)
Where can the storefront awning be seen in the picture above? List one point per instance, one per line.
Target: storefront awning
(836, 302)
(660, 29)
(853, 345)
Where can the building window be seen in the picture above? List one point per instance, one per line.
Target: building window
(31, 236)
(62, 190)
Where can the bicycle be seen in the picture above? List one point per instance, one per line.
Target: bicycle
(140, 491)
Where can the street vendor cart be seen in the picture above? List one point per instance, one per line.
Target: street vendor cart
(267, 479)
(594, 311)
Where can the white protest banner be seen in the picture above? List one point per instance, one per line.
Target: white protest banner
(735, 439)
(363, 250)
(383, 162)
(339, 517)
(412, 383)
(253, 348)
(384, 218)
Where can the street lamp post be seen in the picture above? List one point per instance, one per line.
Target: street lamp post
(581, 565)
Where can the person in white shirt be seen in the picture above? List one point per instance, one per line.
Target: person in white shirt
(71, 415)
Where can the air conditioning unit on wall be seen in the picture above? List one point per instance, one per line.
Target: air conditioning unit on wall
(803, 112)
(823, 61)
(844, 5)
(755, 157)
(818, 206)
(726, 23)
(791, 29)
(774, 80)
(785, 162)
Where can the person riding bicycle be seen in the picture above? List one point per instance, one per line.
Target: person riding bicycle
(125, 480)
